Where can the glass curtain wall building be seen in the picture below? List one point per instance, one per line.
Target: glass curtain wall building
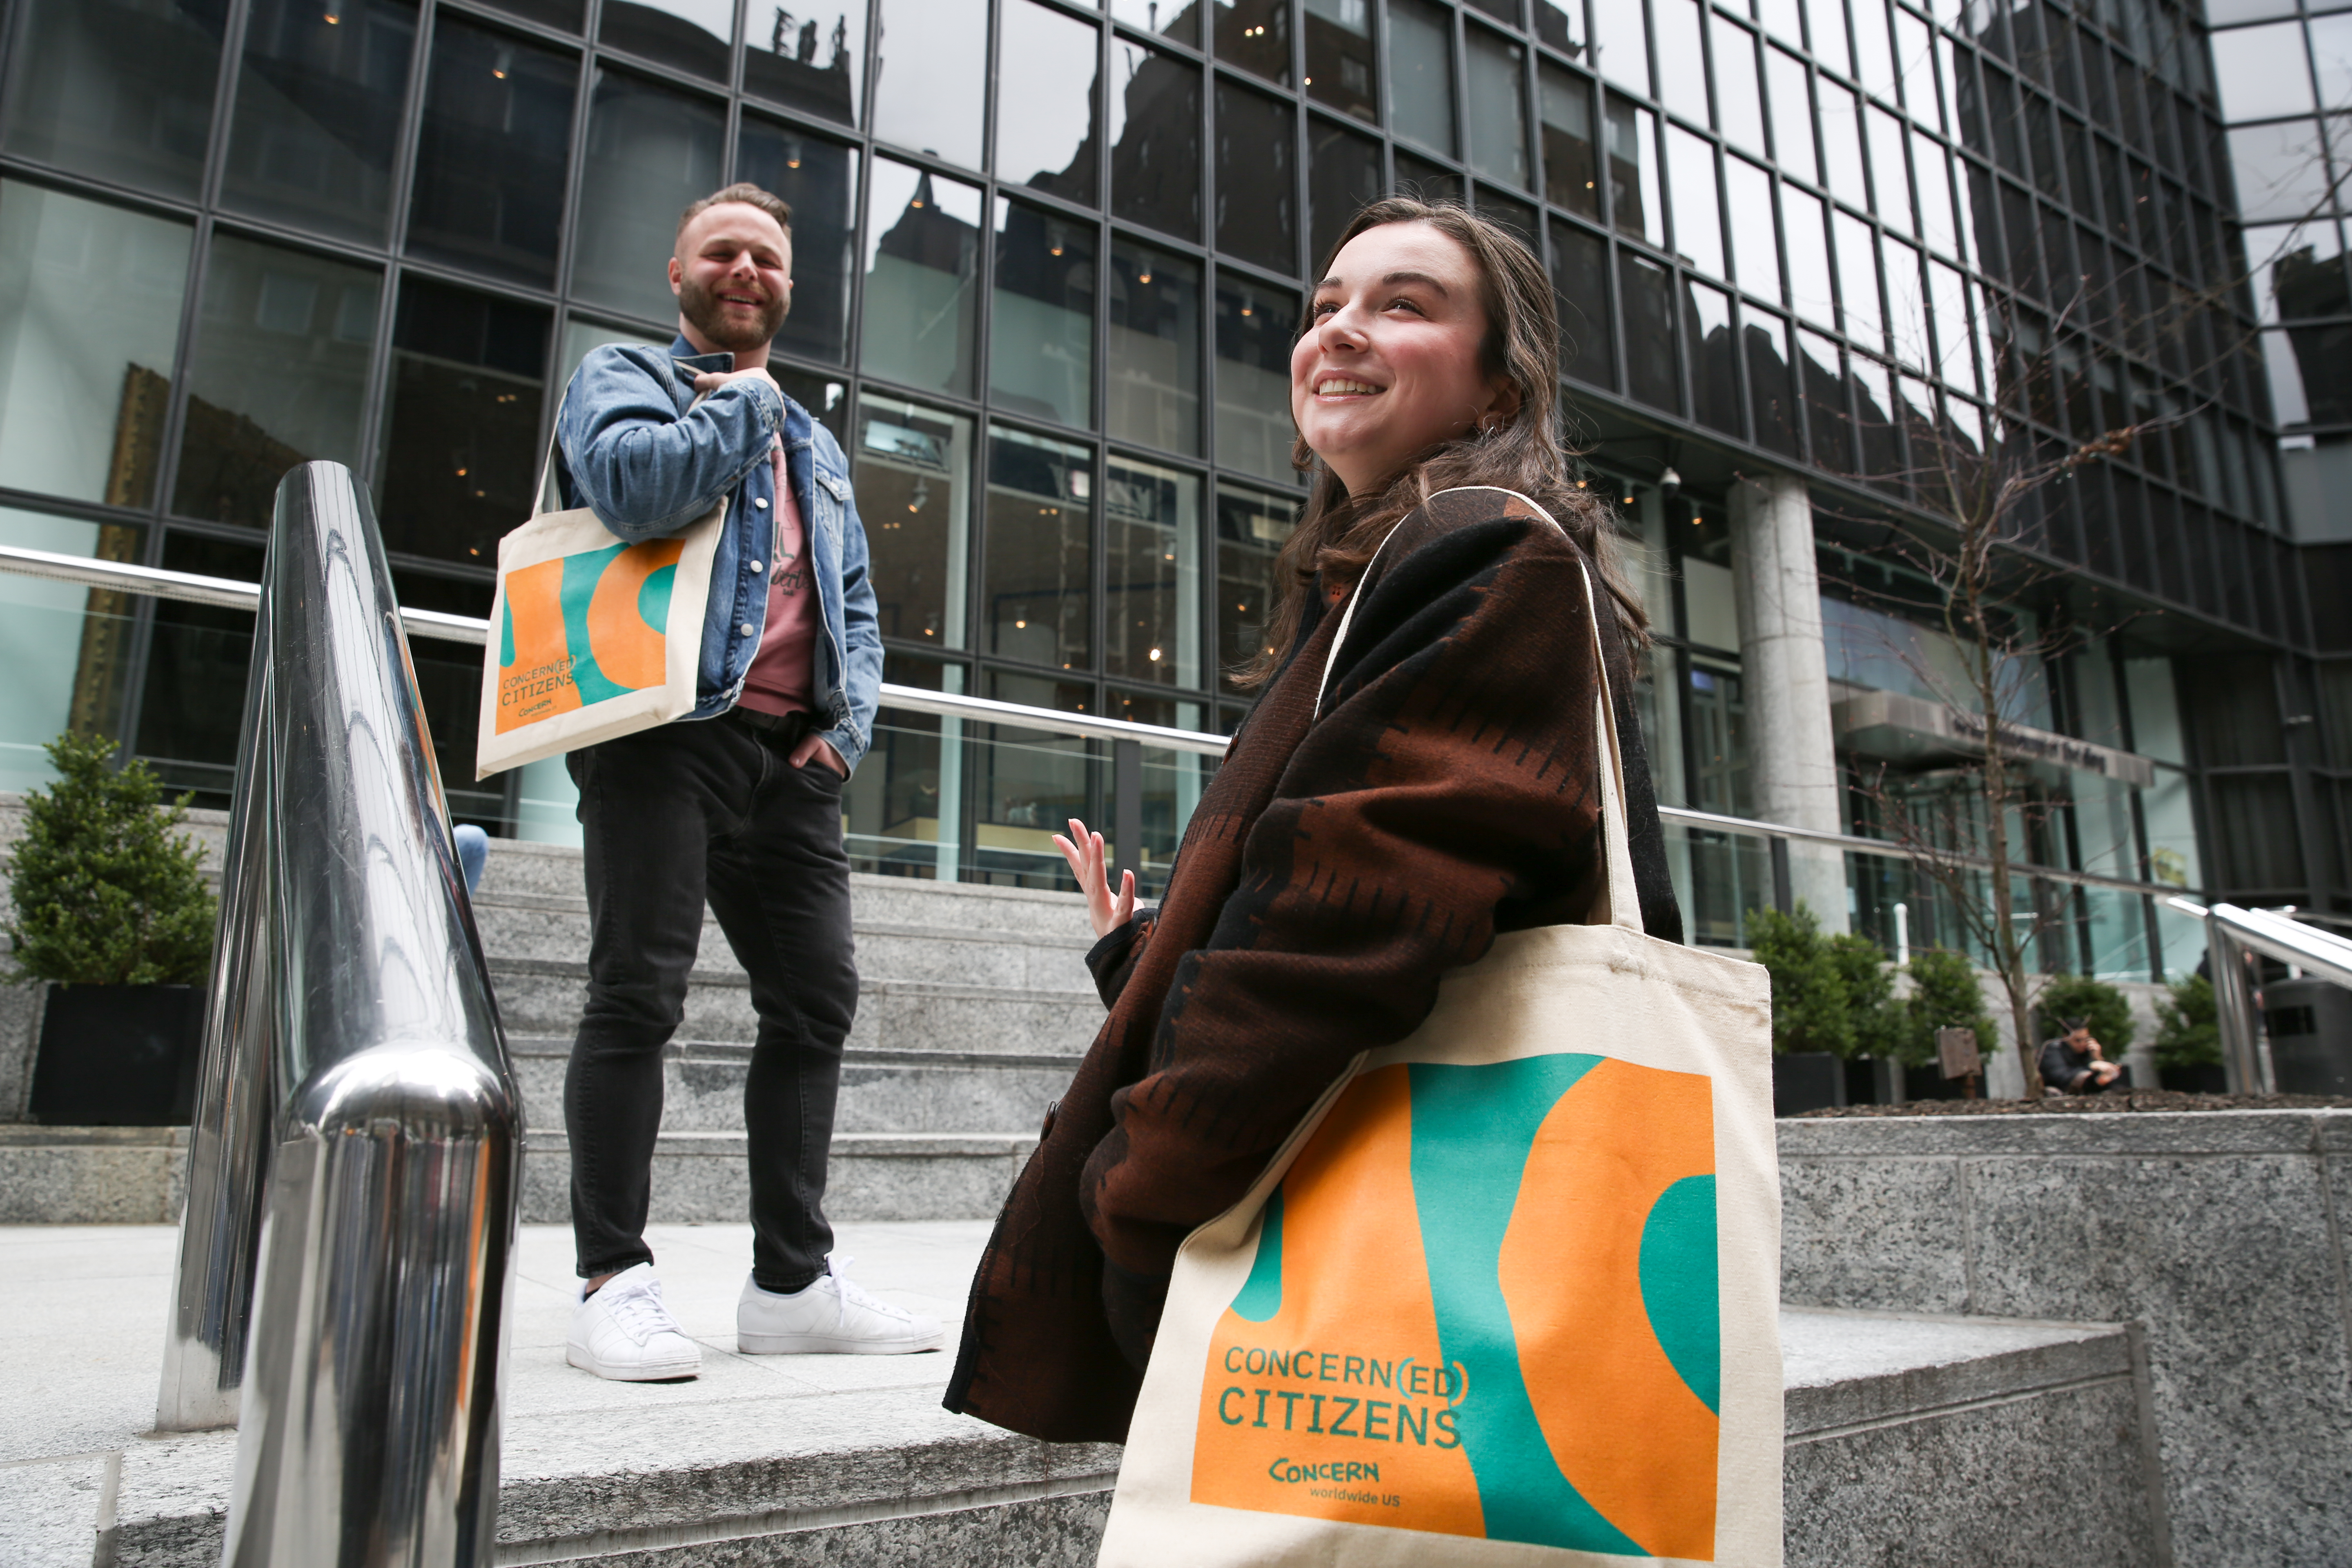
(1050, 258)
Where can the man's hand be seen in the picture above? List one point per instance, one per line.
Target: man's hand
(710, 380)
(817, 746)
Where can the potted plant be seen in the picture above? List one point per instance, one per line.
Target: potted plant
(1945, 993)
(2189, 1038)
(111, 910)
(1877, 1025)
(1812, 1026)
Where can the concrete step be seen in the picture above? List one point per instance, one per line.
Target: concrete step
(881, 1092)
(544, 997)
(91, 1175)
(1905, 1433)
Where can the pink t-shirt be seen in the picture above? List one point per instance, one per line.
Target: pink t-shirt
(784, 672)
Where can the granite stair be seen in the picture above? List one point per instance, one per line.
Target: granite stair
(974, 1008)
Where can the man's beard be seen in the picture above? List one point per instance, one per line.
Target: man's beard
(703, 309)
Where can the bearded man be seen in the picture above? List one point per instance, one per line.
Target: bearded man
(738, 803)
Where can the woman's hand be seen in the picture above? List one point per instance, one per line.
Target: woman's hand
(1083, 851)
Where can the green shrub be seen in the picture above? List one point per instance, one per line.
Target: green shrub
(1875, 1020)
(1809, 990)
(2189, 1026)
(1945, 995)
(2080, 996)
(105, 893)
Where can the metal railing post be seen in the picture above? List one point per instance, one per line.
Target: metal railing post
(357, 1097)
(2236, 1009)
(1126, 807)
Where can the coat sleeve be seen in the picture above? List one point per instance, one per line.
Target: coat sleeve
(1449, 785)
(1113, 959)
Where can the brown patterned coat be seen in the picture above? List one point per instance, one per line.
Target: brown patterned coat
(1334, 870)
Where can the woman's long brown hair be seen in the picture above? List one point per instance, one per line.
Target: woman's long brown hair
(1339, 532)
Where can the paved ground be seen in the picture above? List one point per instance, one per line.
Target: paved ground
(78, 1369)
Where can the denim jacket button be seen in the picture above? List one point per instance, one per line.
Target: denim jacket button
(759, 501)
(745, 628)
(759, 567)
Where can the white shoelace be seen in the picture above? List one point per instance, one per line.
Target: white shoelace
(638, 1311)
(846, 1291)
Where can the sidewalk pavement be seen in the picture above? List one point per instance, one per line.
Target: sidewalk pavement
(79, 1370)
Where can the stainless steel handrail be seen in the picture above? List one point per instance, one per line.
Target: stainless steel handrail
(955, 705)
(2231, 934)
(344, 1276)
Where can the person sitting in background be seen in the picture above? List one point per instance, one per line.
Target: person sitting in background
(2074, 1063)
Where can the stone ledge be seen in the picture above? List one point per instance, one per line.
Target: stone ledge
(1848, 1369)
(2158, 1133)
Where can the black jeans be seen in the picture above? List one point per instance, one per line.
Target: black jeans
(671, 817)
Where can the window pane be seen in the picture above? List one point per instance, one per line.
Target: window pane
(1823, 389)
(1916, 56)
(1739, 102)
(491, 151)
(1155, 348)
(929, 92)
(1155, 133)
(1579, 279)
(1874, 51)
(318, 111)
(1045, 102)
(819, 179)
(1707, 331)
(1255, 327)
(1041, 358)
(1560, 23)
(1889, 180)
(1808, 258)
(1571, 177)
(1749, 192)
(2280, 172)
(1858, 280)
(2257, 71)
(1251, 531)
(1498, 108)
(1255, 36)
(1621, 45)
(276, 377)
(1421, 73)
(1784, 19)
(1954, 357)
(650, 152)
(1935, 179)
(1177, 19)
(922, 254)
(1827, 20)
(1682, 86)
(1516, 216)
(1343, 173)
(1841, 146)
(461, 452)
(568, 14)
(582, 337)
(691, 35)
(118, 89)
(1771, 393)
(1037, 586)
(1633, 172)
(914, 473)
(1420, 178)
(1152, 516)
(1874, 415)
(1792, 115)
(83, 393)
(1340, 57)
(1699, 222)
(1257, 207)
(1649, 333)
(1907, 304)
(810, 56)
(67, 648)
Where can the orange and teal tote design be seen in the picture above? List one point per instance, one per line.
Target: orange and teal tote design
(581, 630)
(1484, 1303)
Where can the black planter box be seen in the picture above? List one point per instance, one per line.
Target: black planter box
(2205, 1078)
(1807, 1080)
(1874, 1081)
(118, 1056)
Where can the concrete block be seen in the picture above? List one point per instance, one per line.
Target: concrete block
(91, 1175)
(49, 1510)
(20, 1044)
(1914, 1259)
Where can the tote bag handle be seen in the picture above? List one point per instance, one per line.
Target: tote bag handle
(1623, 901)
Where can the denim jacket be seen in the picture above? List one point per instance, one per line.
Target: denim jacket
(629, 449)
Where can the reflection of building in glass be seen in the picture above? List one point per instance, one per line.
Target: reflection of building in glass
(1800, 248)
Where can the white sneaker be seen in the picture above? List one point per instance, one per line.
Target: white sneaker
(624, 1332)
(831, 1317)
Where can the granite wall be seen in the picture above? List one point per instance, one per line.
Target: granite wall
(2222, 1233)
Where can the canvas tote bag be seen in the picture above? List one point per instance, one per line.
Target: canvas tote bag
(591, 637)
(1509, 1293)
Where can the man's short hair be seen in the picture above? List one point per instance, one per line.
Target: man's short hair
(2074, 1025)
(750, 196)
